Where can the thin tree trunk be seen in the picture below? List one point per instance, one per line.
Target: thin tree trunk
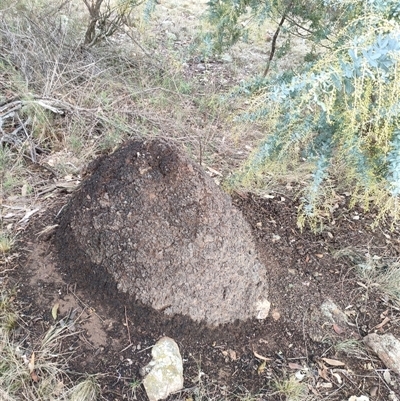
(274, 39)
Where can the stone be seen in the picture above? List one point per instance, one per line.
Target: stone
(148, 222)
(334, 314)
(165, 371)
(361, 398)
(387, 347)
(323, 319)
(263, 308)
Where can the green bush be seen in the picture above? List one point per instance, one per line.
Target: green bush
(339, 113)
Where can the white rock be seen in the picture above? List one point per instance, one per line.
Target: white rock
(262, 308)
(165, 370)
(387, 347)
(361, 398)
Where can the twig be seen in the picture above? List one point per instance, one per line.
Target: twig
(7, 270)
(29, 139)
(85, 304)
(127, 347)
(127, 326)
(149, 55)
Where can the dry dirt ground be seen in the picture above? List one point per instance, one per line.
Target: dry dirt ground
(115, 334)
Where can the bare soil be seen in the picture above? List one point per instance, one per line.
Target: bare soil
(242, 358)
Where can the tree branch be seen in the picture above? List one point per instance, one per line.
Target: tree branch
(273, 44)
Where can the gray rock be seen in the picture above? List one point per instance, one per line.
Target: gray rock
(165, 371)
(323, 318)
(387, 347)
(334, 314)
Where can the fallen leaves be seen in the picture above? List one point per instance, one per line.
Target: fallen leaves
(54, 311)
(333, 362)
(329, 375)
(338, 329)
(381, 324)
(261, 368)
(295, 366)
(31, 367)
(263, 358)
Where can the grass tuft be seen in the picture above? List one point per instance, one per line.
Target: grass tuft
(6, 243)
(37, 372)
(8, 316)
(291, 389)
(381, 273)
(351, 347)
(87, 390)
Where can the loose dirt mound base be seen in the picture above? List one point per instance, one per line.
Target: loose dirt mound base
(151, 221)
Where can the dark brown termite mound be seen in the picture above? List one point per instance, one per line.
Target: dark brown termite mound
(154, 223)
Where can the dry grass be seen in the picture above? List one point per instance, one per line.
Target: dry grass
(351, 347)
(382, 274)
(61, 105)
(376, 273)
(37, 372)
(6, 242)
(77, 102)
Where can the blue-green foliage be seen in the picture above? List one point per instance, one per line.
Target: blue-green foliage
(320, 151)
(393, 160)
(149, 7)
(313, 191)
(388, 8)
(345, 107)
(342, 108)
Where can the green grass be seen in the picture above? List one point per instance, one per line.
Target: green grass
(6, 242)
(351, 348)
(291, 389)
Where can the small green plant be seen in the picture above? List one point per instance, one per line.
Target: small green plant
(290, 388)
(352, 348)
(11, 170)
(6, 242)
(136, 383)
(8, 315)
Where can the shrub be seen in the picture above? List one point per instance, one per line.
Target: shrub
(338, 113)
